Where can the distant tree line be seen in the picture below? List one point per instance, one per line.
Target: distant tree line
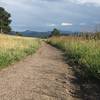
(55, 32)
(4, 21)
(18, 34)
(85, 35)
(88, 35)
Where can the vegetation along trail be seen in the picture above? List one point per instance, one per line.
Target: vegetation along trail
(44, 76)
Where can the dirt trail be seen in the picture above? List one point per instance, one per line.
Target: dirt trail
(43, 76)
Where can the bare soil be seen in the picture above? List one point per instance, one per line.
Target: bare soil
(42, 76)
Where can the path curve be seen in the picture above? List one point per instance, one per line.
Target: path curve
(43, 76)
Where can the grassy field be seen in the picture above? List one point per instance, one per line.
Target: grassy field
(14, 48)
(81, 51)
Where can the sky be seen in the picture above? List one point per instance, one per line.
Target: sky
(44, 15)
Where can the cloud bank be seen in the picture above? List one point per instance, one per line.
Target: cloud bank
(44, 15)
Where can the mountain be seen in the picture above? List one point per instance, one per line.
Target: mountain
(29, 33)
(35, 34)
(42, 34)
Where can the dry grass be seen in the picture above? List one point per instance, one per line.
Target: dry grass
(14, 48)
(82, 51)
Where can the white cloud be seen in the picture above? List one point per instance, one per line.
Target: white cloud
(37, 12)
(96, 2)
(66, 24)
(20, 3)
(52, 25)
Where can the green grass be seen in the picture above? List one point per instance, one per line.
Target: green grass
(84, 52)
(14, 48)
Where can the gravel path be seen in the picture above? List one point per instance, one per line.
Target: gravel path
(43, 76)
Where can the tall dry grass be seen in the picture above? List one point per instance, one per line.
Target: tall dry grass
(14, 48)
(81, 51)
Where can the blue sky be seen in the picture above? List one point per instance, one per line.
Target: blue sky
(44, 15)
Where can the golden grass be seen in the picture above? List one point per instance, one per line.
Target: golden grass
(13, 48)
(82, 51)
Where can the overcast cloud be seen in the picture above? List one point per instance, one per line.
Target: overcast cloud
(44, 15)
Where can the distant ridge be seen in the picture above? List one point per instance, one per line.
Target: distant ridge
(35, 33)
(30, 33)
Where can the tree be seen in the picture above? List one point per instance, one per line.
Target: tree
(19, 34)
(55, 32)
(4, 21)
